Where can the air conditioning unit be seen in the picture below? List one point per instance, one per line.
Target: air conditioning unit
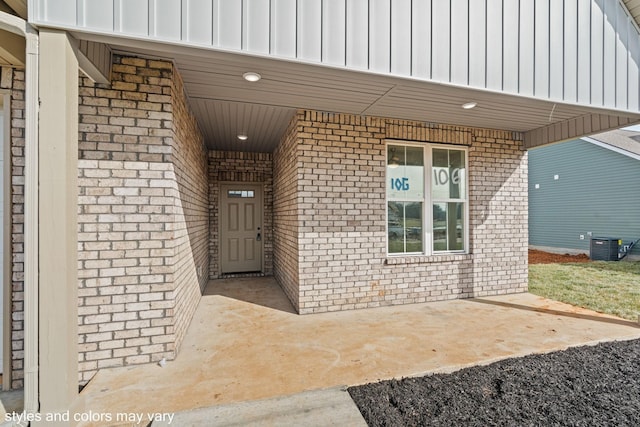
(604, 249)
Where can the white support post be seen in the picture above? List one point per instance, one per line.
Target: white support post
(58, 222)
(31, 391)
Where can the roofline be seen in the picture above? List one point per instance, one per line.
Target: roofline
(611, 147)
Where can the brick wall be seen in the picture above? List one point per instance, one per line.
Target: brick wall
(191, 222)
(338, 207)
(498, 188)
(286, 213)
(226, 166)
(13, 81)
(142, 216)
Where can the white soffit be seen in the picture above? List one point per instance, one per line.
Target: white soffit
(633, 6)
(19, 6)
(12, 49)
(222, 121)
(223, 101)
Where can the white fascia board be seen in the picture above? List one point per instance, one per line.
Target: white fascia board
(13, 24)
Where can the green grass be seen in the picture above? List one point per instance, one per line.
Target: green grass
(607, 287)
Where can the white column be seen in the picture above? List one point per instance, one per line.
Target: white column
(58, 204)
(31, 303)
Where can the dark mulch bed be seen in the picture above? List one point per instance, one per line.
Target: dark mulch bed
(583, 386)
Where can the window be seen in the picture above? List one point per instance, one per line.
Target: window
(427, 199)
(240, 193)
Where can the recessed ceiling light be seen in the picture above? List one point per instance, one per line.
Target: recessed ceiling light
(243, 137)
(250, 76)
(469, 105)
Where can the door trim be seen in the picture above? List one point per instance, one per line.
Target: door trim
(256, 186)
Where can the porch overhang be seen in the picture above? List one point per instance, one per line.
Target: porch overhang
(551, 71)
(226, 105)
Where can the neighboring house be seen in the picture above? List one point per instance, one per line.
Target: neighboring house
(585, 188)
(332, 144)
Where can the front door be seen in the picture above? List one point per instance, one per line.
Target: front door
(240, 228)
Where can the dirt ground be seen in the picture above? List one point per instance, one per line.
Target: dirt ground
(540, 257)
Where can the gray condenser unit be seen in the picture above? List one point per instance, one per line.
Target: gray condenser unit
(604, 249)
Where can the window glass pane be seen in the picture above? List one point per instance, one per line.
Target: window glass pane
(413, 226)
(245, 194)
(395, 156)
(457, 174)
(404, 227)
(448, 174)
(395, 227)
(415, 156)
(405, 173)
(448, 226)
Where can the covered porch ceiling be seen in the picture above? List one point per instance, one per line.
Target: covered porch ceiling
(226, 105)
(12, 46)
(633, 6)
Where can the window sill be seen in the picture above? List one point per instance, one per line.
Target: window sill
(425, 259)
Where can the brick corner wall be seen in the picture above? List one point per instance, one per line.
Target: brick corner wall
(330, 215)
(191, 230)
(286, 211)
(12, 82)
(498, 197)
(143, 219)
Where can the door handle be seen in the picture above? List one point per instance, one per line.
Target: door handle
(259, 236)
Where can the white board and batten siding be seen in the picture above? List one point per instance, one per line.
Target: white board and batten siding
(577, 51)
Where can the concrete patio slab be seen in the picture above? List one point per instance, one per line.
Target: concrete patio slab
(11, 403)
(246, 343)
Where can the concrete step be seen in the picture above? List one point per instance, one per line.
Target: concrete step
(317, 408)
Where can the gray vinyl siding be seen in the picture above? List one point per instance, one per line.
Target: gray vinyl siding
(598, 191)
(576, 51)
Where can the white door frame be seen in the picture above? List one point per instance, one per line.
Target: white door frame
(256, 186)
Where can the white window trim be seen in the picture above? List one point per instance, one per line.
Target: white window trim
(427, 201)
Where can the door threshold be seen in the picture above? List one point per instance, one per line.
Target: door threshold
(240, 275)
